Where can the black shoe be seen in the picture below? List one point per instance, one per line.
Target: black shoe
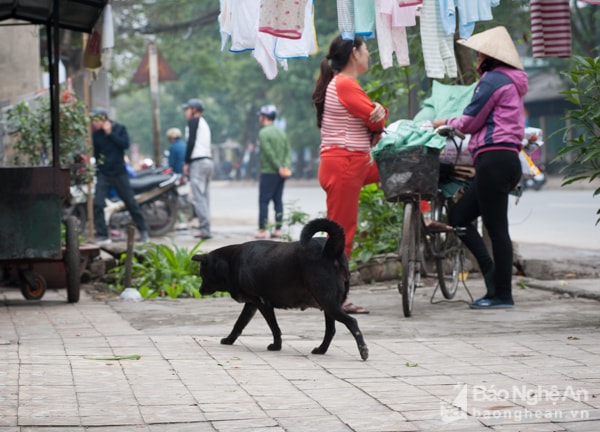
(492, 303)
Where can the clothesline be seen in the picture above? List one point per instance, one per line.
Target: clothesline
(278, 30)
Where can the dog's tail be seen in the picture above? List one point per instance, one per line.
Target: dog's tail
(335, 243)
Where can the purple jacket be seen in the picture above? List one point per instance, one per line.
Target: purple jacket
(495, 117)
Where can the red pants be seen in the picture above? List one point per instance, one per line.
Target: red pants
(342, 174)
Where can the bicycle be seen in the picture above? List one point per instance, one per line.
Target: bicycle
(430, 245)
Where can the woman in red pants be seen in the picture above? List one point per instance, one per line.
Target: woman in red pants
(348, 118)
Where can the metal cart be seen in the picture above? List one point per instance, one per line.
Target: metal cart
(31, 199)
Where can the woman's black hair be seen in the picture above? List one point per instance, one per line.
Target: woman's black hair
(336, 60)
(490, 63)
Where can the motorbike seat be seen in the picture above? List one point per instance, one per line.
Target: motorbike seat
(151, 181)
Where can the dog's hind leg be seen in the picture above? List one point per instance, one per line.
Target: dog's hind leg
(241, 323)
(269, 313)
(329, 333)
(352, 325)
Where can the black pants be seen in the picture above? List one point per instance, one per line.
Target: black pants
(123, 187)
(270, 189)
(497, 174)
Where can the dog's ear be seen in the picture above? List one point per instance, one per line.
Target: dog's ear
(201, 258)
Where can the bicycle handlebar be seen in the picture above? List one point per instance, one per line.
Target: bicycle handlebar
(449, 131)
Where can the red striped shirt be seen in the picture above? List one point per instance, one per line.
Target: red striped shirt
(345, 122)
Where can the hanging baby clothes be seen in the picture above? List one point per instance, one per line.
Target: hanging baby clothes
(345, 12)
(469, 12)
(282, 18)
(437, 46)
(306, 45)
(364, 18)
(391, 23)
(244, 24)
(550, 28)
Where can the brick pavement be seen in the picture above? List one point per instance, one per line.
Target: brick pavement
(447, 368)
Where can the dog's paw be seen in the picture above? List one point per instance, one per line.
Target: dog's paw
(319, 350)
(227, 341)
(274, 347)
(364, 352)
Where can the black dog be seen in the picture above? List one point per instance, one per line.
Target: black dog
(265, 274)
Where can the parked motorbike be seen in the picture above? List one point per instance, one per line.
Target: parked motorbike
(533, 174)
(156, 194)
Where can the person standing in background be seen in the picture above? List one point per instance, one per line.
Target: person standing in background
(176, 150)
(110, 140)
(275, 159)
(347, 118)
(199, 166)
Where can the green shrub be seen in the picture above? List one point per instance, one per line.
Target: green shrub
(379, 226)
(160, 270)
(582, 133)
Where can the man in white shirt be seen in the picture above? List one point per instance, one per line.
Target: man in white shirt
(199, 166)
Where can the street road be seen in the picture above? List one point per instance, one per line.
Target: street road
(557, 216)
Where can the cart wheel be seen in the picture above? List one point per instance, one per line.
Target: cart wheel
(72, 260)
(33, 285)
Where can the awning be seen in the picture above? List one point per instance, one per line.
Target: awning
(78, 15)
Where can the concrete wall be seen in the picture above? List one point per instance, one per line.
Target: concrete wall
(20, 64)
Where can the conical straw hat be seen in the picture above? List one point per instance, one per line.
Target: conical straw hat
(496, 43)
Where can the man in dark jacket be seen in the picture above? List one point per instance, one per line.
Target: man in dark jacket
(110, 141)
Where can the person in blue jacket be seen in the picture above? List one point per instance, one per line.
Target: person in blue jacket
(495, 118)
(110, 140)
(176, 150)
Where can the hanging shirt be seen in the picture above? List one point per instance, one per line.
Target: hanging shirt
(469, 12)
(550, 28)
(345, 12)
(244, 24)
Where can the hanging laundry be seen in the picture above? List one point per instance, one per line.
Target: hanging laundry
(390, 23)
(225, 25)
(437, 46)
(550, 28)
(345, 11)
(364, 18)
(282, 18)
(244, 24)
(306, 45)
(469, 12)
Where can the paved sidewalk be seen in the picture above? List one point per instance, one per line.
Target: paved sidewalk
(447, 368)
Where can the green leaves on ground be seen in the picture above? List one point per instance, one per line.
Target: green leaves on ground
(160, 270)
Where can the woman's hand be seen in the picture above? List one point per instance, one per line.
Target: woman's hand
(438, 123)
(377, 114)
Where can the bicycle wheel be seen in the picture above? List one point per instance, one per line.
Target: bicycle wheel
(409, 246)
(447, 248)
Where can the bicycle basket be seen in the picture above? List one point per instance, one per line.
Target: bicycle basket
(411, 171)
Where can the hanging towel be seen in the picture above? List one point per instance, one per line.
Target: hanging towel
(303, 47)
(282, 18)
(550, 28)
(364, 18)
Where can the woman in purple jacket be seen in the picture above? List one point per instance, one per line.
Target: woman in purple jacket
(495, 118)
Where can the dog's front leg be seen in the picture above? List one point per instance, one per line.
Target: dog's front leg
(329, 333)
(269, 313)
(241, 323)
